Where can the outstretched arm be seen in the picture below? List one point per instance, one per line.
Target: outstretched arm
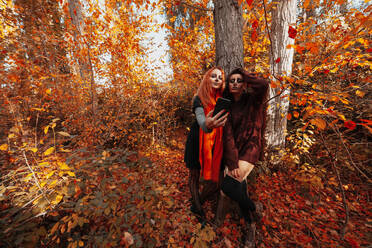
(200, 118)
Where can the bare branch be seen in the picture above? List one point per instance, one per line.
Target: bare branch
(36, 180)
(193, 6)
(335, 129)
(341, 187)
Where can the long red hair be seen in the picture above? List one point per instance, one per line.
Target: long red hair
(205, 90)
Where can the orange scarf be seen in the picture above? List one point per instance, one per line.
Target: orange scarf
(210, 151)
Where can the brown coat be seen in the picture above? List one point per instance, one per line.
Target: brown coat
(243, 131)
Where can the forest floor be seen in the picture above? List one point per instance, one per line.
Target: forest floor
(118, 198)
(295, 214)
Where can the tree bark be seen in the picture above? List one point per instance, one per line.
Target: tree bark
(283, 16)
(228, 26)
(74, 7)
(84, 59)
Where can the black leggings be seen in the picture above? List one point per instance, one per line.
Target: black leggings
(238, 192)
(198, 199)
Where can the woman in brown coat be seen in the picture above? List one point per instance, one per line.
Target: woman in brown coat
(243, 135)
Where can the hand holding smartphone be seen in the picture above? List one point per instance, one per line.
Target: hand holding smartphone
(222, 104)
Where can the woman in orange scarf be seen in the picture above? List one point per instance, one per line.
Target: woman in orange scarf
(204, 146)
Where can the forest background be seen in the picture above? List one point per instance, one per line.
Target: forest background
(91, 141)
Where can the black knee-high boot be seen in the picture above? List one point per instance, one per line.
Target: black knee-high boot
(238, 192)
(194, 190)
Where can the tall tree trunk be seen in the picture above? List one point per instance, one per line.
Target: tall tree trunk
(84, 59)
(283, 16)
(77, 20)
(229, 55)
(228, 34)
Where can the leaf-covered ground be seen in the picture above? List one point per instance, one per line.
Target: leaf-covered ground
(118, 198)
(295, 214)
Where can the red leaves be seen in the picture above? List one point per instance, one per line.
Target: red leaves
(255, 24)
(277, 60)
(249, 2)
(330, 110)
(350, 125)
(352, 242)
(292, 32)
(254, 34)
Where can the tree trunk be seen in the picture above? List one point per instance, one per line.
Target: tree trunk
(228, 34)
(283, 16)
(74, 7)
(229, 55)
(83, 58)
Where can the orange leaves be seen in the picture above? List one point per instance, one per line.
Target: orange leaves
(306, 4)
(319, 123)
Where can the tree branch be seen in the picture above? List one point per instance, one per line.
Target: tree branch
(335, 129)
(341, 187)
(192, 6)
(35, 178)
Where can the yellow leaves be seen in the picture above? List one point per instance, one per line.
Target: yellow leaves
(33, 149)
(48, 91)
(295, 114)
(360, 93)
(50, 174)
(319, 123)
(46, 129)
(70, 173)
(63, 166)
(38, 109)
(342, 117)
(4, 147)
(57, 200)
(49, 151)
(43, 164)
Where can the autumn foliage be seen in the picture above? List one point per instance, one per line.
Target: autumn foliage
(91, 142)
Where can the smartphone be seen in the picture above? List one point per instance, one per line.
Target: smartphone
(222, 104)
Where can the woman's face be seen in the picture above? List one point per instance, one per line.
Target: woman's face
(216, 79)
(236, 84)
